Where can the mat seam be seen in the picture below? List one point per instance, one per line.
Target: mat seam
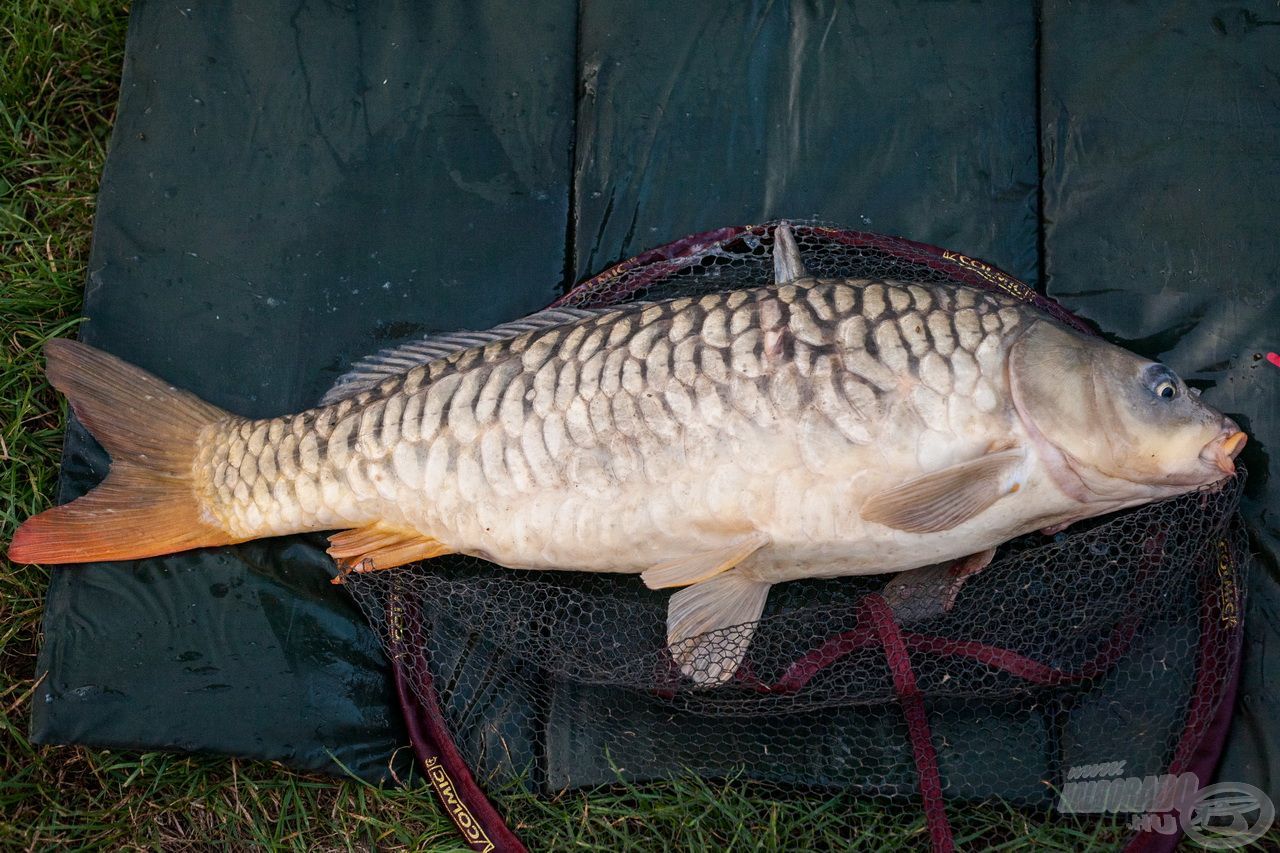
(571, 213)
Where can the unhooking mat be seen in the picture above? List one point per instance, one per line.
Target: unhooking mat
(292, 186)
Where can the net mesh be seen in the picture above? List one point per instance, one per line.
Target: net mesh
(1112, 641)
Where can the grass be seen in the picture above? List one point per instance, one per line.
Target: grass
(59, 68)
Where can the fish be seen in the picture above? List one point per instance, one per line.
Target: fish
(715, 445)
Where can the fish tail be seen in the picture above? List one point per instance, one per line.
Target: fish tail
(148, 504)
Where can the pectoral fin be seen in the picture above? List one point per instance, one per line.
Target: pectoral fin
(947, 498)
(379, 546)
(728, 605)
(699, 567)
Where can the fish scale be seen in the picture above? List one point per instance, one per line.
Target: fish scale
(538, 419)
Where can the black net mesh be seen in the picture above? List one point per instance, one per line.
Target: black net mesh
(1111, 641)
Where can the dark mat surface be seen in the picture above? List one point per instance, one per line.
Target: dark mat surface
(920, 125)
(293, 187)
(1161, 131)
(288, 190)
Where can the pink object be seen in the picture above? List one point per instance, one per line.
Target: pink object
(1273, 358)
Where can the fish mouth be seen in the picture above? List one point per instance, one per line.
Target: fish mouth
(1223, 450)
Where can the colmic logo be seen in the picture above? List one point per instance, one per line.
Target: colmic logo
(1006, 283)
(1226, 576)
(1224, 816)
(458, 811)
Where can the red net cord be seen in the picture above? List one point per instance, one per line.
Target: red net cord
(876, 609)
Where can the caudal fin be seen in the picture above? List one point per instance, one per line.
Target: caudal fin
(147, 505)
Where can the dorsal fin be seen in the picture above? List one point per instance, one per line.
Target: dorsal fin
(787, 264)
(372, 369)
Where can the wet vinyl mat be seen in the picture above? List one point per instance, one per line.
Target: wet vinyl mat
(291, 189)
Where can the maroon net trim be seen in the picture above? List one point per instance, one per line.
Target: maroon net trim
(668, 260)
(481, 826)
(1209, 717)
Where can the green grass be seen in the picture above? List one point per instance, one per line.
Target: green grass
(59, 68)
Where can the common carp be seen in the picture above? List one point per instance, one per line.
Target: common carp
(715, 445)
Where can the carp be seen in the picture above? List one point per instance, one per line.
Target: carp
(715, 445)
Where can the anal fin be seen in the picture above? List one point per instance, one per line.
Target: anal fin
(699, 567)
(947, 498)
(380, 546)
(710, 625)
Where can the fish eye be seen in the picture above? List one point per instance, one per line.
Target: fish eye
(1162, 382)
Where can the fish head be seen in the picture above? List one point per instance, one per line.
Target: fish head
(1114, 425)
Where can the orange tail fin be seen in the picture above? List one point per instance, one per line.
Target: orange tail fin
(147, 505)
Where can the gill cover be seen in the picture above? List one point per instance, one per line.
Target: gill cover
(1051, 377)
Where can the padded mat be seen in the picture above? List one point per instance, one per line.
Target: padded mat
(1161, 128)
(286, 191)
(292, 188)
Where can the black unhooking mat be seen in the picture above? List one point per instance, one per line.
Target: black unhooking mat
(292, 186)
